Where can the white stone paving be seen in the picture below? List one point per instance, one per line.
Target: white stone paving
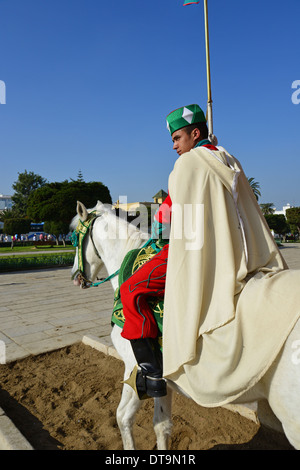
(42, 310)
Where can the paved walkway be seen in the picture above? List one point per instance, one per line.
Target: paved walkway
(291, 253)
(42, 310)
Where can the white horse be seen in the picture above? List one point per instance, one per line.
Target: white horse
(277, 393)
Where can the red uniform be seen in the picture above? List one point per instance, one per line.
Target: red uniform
(148, 281)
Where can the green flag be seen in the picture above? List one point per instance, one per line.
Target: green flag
(188, 2)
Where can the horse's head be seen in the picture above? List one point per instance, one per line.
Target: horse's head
(101, 237)
(87, 262)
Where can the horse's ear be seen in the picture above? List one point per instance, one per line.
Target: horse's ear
(81, 211)
(99, 205)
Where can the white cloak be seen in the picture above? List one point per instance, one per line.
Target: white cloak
(230, 299)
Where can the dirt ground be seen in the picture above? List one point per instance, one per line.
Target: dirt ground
(67, 400)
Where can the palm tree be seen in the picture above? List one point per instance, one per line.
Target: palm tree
(255, 187)
(7, 214)
(267, 208)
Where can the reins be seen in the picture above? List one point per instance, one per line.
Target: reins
(96, 284)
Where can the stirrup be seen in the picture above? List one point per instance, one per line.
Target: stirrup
(141, 389)
(131, 381)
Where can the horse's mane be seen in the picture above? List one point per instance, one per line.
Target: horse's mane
(135, 234)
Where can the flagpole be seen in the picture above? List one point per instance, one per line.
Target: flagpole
(209, 115)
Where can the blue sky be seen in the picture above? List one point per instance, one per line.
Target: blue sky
(89, 83)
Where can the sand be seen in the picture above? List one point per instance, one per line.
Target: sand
(67, 400)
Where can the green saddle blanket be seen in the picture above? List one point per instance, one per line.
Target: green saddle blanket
(131, 263)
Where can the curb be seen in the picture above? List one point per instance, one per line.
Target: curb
(103, 345)
(10, 436)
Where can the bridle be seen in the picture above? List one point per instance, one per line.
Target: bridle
(77, 238)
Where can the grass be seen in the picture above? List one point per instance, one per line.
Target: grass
(33, 249)
(18, 262)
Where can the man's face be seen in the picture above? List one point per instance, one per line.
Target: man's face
(183, 142)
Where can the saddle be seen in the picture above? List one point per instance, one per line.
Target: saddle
(131, 263)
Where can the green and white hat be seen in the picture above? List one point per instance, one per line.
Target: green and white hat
(185, 116)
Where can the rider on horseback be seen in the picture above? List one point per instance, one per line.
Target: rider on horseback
(188, 129)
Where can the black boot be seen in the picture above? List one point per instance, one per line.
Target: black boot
(149, 381)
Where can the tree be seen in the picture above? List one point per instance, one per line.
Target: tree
(27, 183)
(267, 208)
(16, 225)
(57, 229)
(255, 187)
(79, 177)
(278, 223)
(6, 214)
(56, 202)
(293, 217)
(13, 224)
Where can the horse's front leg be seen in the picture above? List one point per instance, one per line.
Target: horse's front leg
(162, 420)
(126, 412)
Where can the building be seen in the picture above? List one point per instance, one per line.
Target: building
(283, 211)
(160, 197)
(5, 202)
(132, 207)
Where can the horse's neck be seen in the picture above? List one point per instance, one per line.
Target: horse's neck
(117, 244)
(112, 261)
